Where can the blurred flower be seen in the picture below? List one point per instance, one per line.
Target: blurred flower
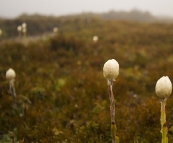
(24, 28)
(55, 29)
(0, 32)
(19, 28)
(163, 87)
(111, 69)
(10, 74)
(95, 38)
(24, 25)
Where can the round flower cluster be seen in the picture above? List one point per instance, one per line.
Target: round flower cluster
(163, 87)
(111, 69)
(10, 74)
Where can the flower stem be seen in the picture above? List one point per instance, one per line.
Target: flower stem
(13, 93)
(112, 111)
(164, 128)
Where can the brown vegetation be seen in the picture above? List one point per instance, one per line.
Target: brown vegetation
(61, 92)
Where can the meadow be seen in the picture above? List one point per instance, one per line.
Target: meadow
(62, 96)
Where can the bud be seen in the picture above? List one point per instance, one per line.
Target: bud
(55, 29)
(111, 69)
(24, 25)
(163, 87)
(10, 74)
(19, 28)
(95, 38)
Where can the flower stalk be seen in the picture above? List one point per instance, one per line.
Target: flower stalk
(164, 128)
(112, 111)
(110, 72)
(163, 90)
(10, 75)
(13, 92)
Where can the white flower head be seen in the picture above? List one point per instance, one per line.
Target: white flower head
(24, 25)
(55, 29)
(163, 87)
(95, 38)
(111, 69)
(10, 74)
(19, 28)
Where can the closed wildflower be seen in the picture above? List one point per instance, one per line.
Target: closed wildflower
(111, 69)
(110, 72)
(24, 28)
(10, 74)
(19, 28)
(95, 38)
(55, 29)
(24, 25)
(163, 90)
(163, 87)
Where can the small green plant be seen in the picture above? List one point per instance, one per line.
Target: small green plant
(163, 90)
(7, 138)
(110, 72)
(10, 75)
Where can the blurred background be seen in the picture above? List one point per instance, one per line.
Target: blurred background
(12, 9)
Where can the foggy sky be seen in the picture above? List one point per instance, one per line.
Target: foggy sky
(13, 8)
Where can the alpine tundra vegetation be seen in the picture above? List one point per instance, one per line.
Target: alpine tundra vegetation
(62, 95)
